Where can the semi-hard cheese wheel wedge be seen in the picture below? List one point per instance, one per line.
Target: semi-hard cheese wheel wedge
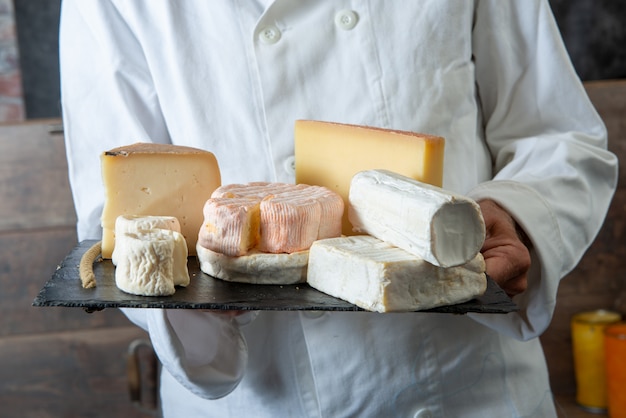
(129, 226)
(256, 267)
(147, 262)
(443, 228)
(330, 154)
(290, 218)
(379, 277)
(157, 179)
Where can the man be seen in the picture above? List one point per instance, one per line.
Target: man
(491, 77)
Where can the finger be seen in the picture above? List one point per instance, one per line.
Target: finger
(512, 278)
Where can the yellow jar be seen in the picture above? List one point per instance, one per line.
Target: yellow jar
(588, 349)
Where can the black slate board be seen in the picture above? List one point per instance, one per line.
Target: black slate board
(205, 292)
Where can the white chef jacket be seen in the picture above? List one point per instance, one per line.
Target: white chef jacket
(490, 76)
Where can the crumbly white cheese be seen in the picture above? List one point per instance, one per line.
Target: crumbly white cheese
(376, 276)
(136, 223)
(150, 255)
(443, 228)
(149, 262)
(256, 267)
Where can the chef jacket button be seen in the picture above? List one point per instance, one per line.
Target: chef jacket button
(290, 165)
(423, 413)
(346, 19)
(313, 314)
(269, 35)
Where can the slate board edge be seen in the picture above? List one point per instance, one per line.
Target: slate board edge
(69, 267)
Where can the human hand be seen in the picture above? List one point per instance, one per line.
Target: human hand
(506, 256)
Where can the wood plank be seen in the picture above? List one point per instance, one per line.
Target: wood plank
(67, 374)
(34, 185)
(28, 261)
(598, 280)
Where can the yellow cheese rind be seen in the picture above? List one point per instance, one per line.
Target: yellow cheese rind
(330, 154)
(158, 180)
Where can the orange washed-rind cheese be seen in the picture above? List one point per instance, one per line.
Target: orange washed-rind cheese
(290, 218)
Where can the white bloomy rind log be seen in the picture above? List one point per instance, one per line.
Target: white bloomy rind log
(443, 228)
(379, 277)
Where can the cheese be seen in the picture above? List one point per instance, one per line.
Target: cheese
(157, 179)
(330, 154)
(232, 226)
(148, 262)
(377, 276)
(290, 218)
(444, 228)
(256, 267)
(259, 189)
(135, 223)
(128, 226)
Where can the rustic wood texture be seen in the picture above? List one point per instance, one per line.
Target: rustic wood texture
(53, 362)
(599, 281)
(37, 229)
(67, 374)
(34, 187)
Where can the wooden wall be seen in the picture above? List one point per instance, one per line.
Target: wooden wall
(54, 362)
(599, 281)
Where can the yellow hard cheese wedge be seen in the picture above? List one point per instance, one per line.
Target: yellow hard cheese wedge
(157, 180)
(330, 154)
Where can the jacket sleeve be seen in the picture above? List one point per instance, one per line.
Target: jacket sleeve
(552, 170)
(108, 100)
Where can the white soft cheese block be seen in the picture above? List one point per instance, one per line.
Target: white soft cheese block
(255, 267)
(376, 276)
(289, 218)
(134, 224)
(443, 228)
(146, 262)
(157, 179)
